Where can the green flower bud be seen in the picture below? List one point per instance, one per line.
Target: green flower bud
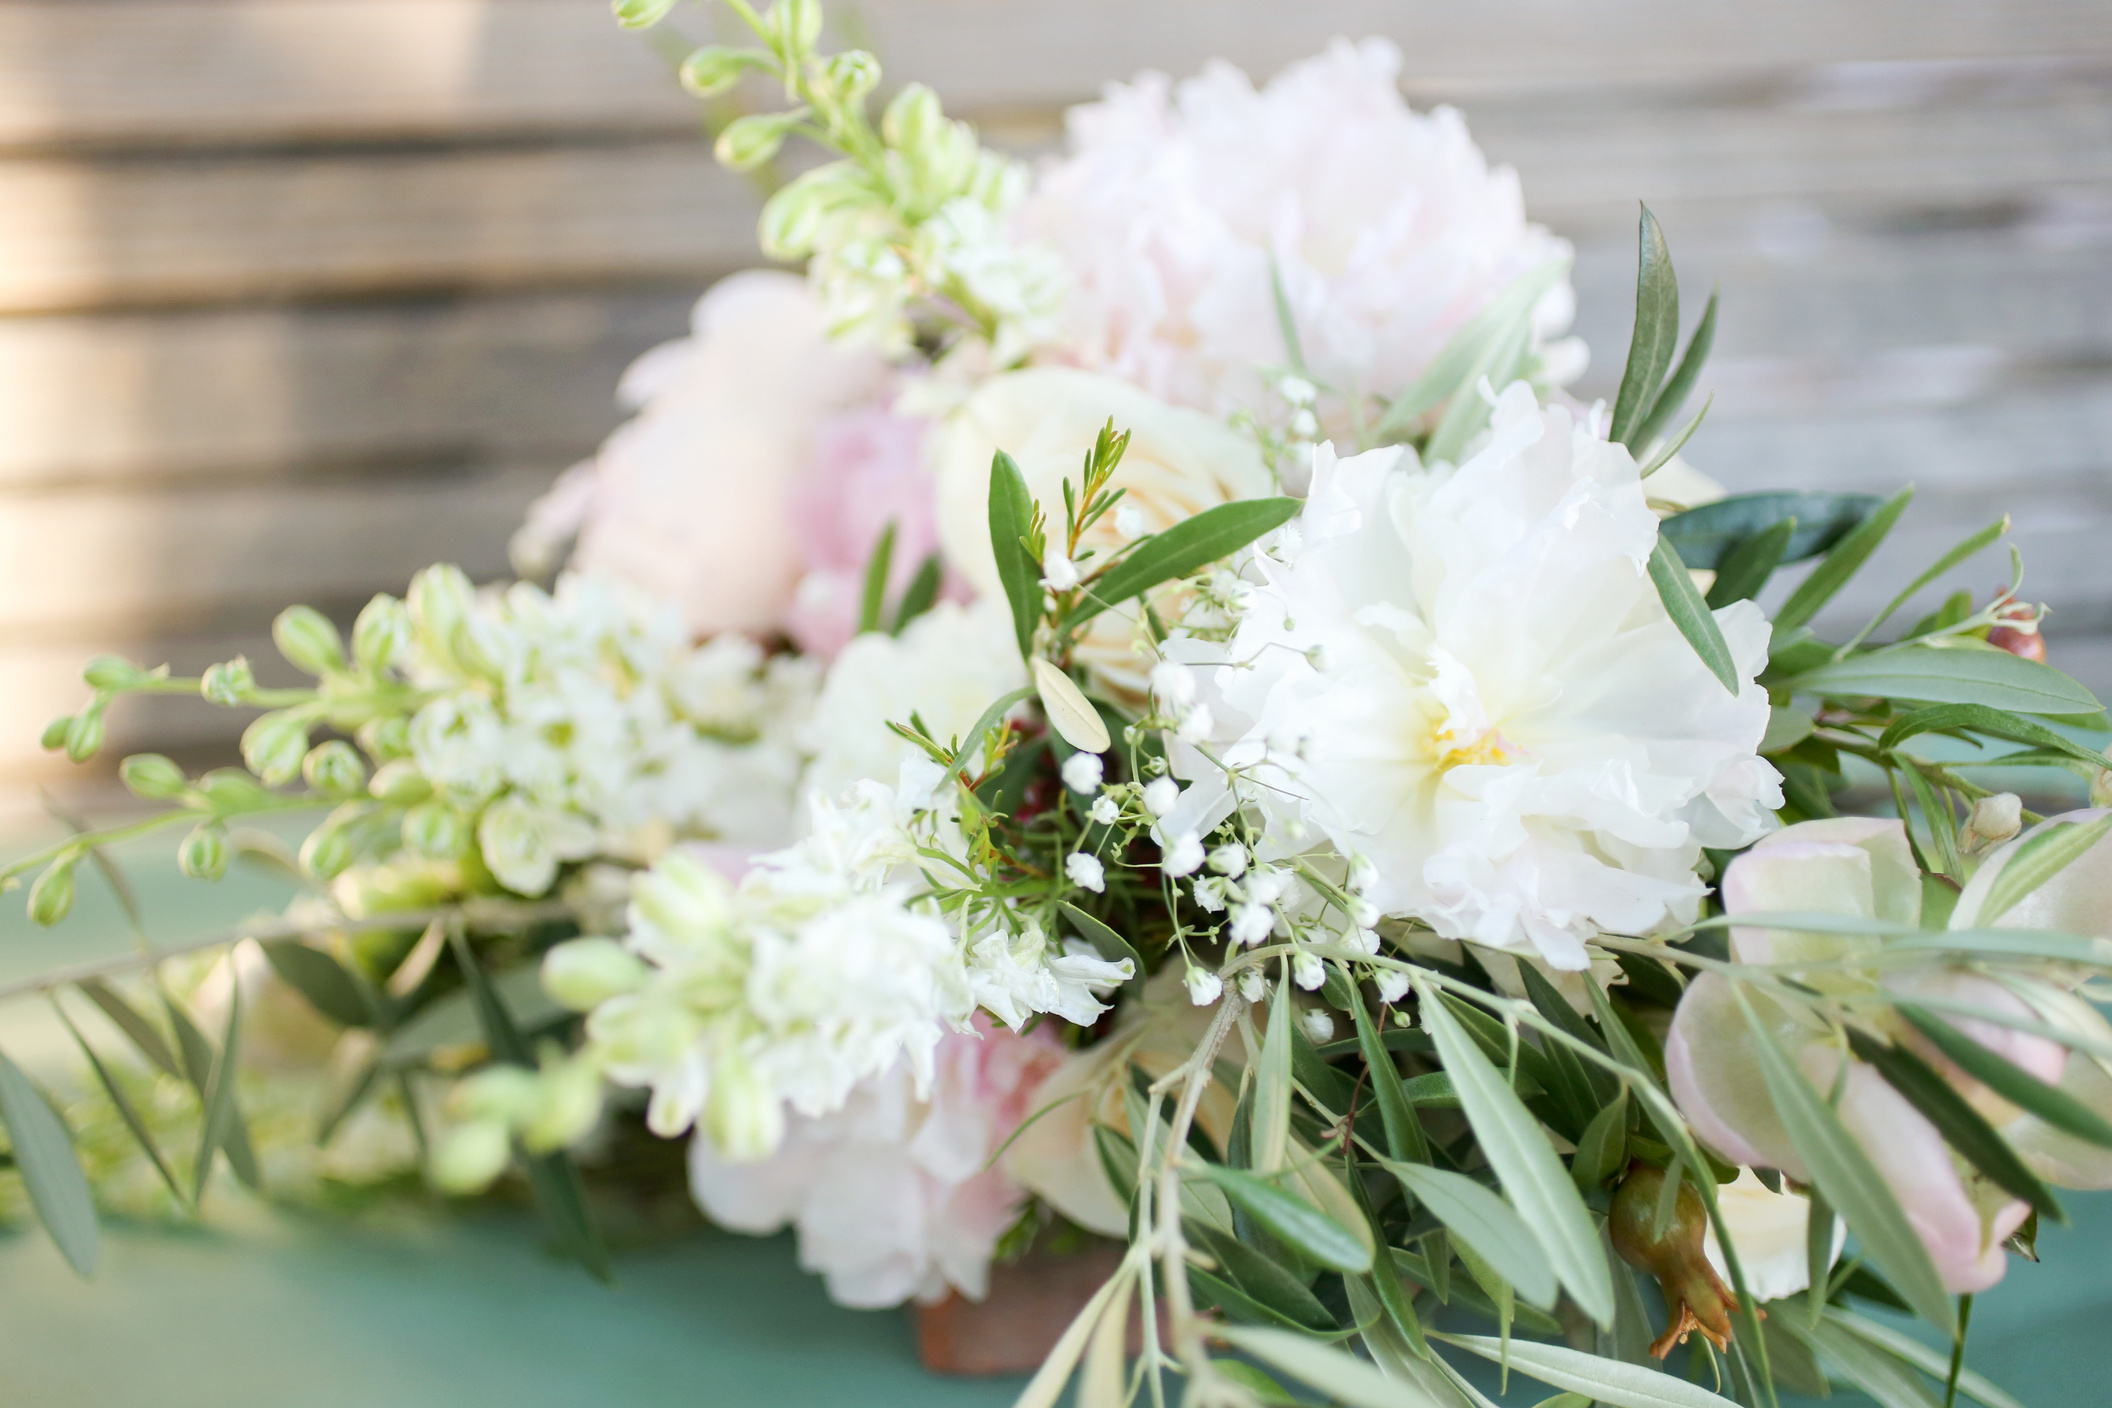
(335, 769)
(439, 601)
(712, 70)
(502, 1093)
(203, 855)
(744, 1117)
(308, 641)
(683, 898)
(84, 736)
(113, 672)
(381, 632)
(584, 973)
(750, 141)
(912, 120)
(275, 744)
(54, 736)
(567, 1103)
(152, 777)
(228, 684)
(232, 790)
(469, 1156)
(52, 895)
(386, 739)
(795, 26)
(641, 14)
(434, 830)
(795, 218)
(851, 75)
(332, 847)
(400, 782)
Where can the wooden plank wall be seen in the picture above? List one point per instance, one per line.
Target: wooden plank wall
(299, 295)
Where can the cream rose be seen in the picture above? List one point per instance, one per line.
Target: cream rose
(1179, 462)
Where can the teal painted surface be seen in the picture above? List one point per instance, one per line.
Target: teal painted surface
(299, 1310)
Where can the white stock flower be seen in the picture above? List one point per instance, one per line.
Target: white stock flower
(1204, 987)
(951, 663)
(1014, 976)
(1768, 1228)
(1388, 227)
(1508, 725)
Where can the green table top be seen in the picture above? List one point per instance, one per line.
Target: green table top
(304, 1310)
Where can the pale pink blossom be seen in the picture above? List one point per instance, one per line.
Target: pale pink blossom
(1388, 227)
(895, 1198)
(1863, 868)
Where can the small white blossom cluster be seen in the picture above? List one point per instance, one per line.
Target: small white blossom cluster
(583, 723)
(828, 965)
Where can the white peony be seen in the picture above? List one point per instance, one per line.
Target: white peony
(1388, 226)
(947, 667)
(1466, 677)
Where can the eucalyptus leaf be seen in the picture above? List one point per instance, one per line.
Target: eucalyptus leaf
(219, 1096)
(1949, 675)
(1746, 568)
(1292, 1220)
(1341, 1376)
(1447, 374)
(1978, 718)
(1843, 562)
(873, 599)
(1681, 383)
(1707, 535)
(1961, 1126)
(1468, 410)
(321, 979)
(1187, 547)
(1883, 1376)
(1046, 1386)
(1277, 1289)
(126, 1111)
(1272, 1084)
(1678, 442)
(921, 594)
(1538, 1185)
(2010, 1081)
(1603, 1151)
(1930, 1361)
(1608, 1381)
(1655, 340)
(1480, 1219)
(1684, 604)
(1851, 1183)
(1011, 519)
(1286, 324)
(1404, 1128)
(200, 1059)
(1972, 545)
(133, 1023)
(50, 1171)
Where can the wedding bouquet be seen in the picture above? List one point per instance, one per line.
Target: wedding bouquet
(1129, 701)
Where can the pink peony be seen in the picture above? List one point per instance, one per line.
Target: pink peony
(892, 1196)
(1388, 226)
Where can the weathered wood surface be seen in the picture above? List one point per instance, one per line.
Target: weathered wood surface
(298, 295)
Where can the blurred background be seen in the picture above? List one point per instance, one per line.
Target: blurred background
(297, 296)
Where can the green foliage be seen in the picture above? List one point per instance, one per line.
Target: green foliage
(43, 1154)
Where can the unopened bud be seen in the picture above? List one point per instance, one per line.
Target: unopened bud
(913, 119)
(335, 769)
(380, 633)
(851, 74)
(152, 777)
(1204, 987)
(229, 683)
(54, 736)
(113, 672)
(386, 739)
(52, 896)
(469, 1156)
(232, 790)
(308, 641)
(1319, 1026)
(439, 602)
(712, 70)
(1307, 971)
(683, 898)
(1993, 820)
(203, 855)
(275, 745)
(2101, 785)
(567, 1102)
(795, 25)
(744, 1117)
(84, 736)
(435, 830)
(641, 14)
(329, 850)
(400, 782)
(584, 973)
(750, 141)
